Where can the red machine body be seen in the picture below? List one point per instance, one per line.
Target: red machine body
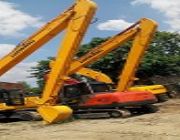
(99, 95)
(119, 99)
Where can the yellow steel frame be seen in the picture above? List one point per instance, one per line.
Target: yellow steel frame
(141, 33)
(98, 76)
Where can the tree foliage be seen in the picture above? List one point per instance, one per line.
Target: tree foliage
(28, 90)
(25, 85)
(39, 71)
(162, 58)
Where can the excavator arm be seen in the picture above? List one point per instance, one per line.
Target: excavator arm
(34, 42)
(138, 49)
(139, 46)
(87, 72)
(103, 49)
(141, 33)
(76, 20)
(98, 76)
(84, 12)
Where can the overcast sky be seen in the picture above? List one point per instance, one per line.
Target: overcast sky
(20, 18)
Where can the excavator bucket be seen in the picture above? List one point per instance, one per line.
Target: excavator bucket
(53, 114)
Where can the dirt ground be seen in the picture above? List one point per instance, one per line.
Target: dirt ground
(163, 125)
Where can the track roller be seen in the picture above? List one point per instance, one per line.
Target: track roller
(123, 113)
(27, 116)
(162, 98)
(150, 108)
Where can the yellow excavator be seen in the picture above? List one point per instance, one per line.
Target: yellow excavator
(75, 20)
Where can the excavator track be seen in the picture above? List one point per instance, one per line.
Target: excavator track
(144, 109)
(92, 113)
(24, 115)
(29, 116)
(150, 108)
(102, 113)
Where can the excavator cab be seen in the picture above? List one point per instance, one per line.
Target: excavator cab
(99, 87)
(12, 97)
(99, 100)
(76, 91)
(73, 93)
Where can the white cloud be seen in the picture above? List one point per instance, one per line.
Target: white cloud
(20, 71)
(13, 21)
(114, 25)
(5, 48)
(170, 8)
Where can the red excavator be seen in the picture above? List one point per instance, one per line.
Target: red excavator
(99, 100)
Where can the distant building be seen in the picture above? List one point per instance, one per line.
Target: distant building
(10, 86)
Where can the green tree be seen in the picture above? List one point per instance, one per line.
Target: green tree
(163, 56)
(39, 71)
(30, 90)
(25, 85)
